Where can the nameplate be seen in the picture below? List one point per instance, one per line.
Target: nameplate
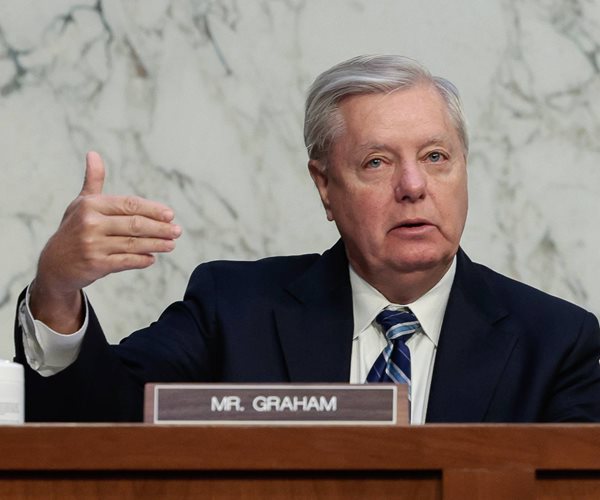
(286, 404)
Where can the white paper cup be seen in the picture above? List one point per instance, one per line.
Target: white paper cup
(12, 393)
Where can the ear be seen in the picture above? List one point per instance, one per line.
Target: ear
(318, 172)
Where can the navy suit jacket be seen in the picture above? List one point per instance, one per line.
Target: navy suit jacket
(507, 352)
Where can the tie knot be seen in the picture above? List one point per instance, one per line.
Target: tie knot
(397, 323)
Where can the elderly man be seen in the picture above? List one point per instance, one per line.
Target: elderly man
(396, 299)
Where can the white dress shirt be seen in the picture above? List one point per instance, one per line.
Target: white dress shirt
(368, 340)
(49, 352)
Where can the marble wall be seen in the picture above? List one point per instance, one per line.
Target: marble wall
(199, 104)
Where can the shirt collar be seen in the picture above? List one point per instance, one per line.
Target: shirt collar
(429, 309)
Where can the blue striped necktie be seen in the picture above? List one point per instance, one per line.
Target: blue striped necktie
(393, 364)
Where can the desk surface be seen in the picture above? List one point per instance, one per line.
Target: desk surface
(168, 447)
(427, 462)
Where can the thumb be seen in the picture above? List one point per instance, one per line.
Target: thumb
(94, 174)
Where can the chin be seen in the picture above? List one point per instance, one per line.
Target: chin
(421, 261)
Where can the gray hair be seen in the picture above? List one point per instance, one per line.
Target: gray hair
(368, 75)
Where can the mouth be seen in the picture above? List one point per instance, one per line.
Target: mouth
(413, 226)
(414, 223)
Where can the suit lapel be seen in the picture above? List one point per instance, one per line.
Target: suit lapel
(315, 327)
(474, 347)
(315, 321)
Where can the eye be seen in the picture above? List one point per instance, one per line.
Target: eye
(374, 163)
(435, 157)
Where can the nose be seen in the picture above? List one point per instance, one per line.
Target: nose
(410, 182)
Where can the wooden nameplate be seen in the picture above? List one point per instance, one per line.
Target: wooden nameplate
(285, 404)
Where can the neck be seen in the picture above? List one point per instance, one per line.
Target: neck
(402, 287)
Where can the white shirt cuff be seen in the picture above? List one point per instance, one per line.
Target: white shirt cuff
(48, 352)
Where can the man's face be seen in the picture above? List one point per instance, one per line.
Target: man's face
(396, 183)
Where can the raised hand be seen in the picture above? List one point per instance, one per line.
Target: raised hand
(98, 235)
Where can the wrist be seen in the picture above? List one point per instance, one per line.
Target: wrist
(60, 310)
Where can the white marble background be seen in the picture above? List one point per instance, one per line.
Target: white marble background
(199, 104)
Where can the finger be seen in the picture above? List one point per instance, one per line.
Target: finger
(124, 262)
(121, 245)
(140, 226)
(134, 205)
(94, 174)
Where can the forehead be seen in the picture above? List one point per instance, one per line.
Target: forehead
(415, 113)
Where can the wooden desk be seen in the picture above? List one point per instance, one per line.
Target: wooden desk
(449, 461)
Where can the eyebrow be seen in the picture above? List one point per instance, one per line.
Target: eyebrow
(370, 146)
(437, 139)
(376, 146)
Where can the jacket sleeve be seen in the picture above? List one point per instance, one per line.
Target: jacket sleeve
(106, 382)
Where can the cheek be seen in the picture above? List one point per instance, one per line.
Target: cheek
(363, 208)
(459, 205)
(358, 214)
(451, 202)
